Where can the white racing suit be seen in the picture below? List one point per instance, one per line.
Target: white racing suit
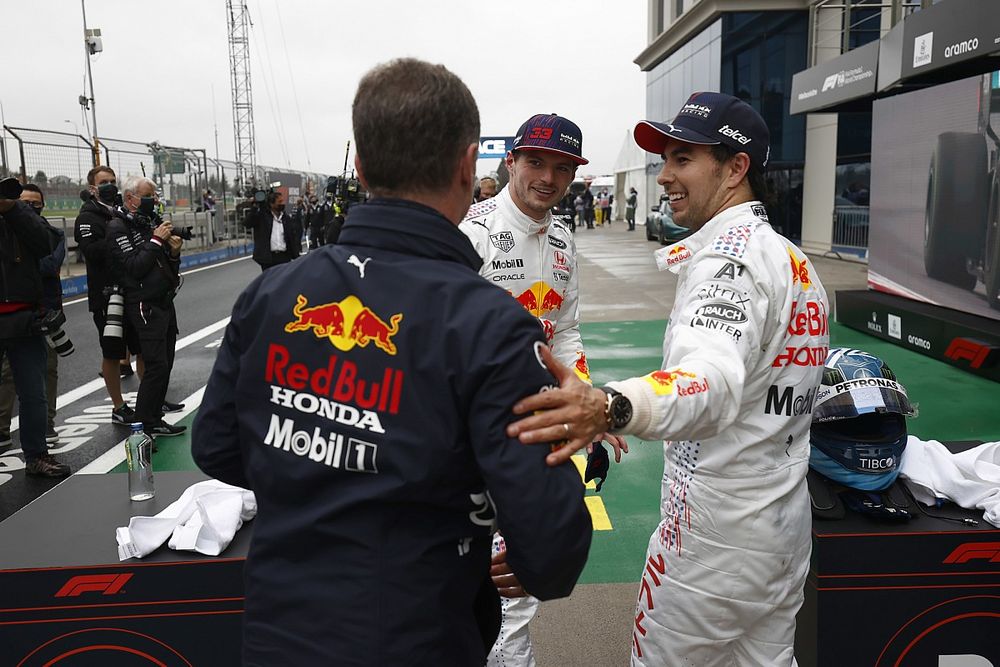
(743, 357)
(536, 262)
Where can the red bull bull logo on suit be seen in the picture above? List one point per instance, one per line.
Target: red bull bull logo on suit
(662, 382)
(539, 299)
(581, 368)
(800, 270)
(678, 254)
(345, 323)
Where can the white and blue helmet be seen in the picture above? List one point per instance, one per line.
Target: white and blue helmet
(858, 428)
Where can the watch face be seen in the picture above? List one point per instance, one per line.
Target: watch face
(621, 411)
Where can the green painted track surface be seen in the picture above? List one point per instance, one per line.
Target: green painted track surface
(953, 405)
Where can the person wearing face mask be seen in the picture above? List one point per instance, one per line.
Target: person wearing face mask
(48, 267)
(91, 234)
(25, 239)
(146, 260)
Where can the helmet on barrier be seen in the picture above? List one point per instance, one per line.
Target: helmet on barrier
(858, 428)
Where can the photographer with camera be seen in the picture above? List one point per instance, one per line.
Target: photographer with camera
(103, 295)
(51, 323)
(276, 237)
(24, 240)
(146, 253)
(314, 220)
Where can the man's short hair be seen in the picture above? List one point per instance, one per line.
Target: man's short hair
(133, 182)
(412, 122)
(92, 174)
(755, 174)
(31, 187)
(488, 178)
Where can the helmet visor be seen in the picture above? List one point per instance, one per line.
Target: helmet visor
(861, 396)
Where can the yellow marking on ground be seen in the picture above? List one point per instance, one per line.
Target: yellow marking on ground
(598, 514)
(580, 462)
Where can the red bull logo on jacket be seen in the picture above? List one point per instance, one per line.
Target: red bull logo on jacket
(662, 382)
(345, 323)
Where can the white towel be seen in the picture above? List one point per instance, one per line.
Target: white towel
(970, 479)
(204, 519)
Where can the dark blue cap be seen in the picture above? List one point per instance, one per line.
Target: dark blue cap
(550, 132)
(710, 119)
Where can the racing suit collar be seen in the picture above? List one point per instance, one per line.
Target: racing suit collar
(674, 256)
(406, 227)
(517, 219)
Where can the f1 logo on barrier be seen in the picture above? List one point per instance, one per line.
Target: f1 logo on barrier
(978, 353)
(963, 553)
(106, 584)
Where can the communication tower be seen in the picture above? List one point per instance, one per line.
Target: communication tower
(239, 67)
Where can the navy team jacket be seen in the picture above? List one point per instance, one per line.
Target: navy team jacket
(362, 393)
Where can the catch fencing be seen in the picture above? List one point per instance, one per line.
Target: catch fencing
(58, 163)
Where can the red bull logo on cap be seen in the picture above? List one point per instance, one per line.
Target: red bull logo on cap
(662, 382)
(345, 323)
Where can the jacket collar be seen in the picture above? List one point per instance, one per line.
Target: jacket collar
(404, 226)
(516, 218)
(94, 206)
(674, 256)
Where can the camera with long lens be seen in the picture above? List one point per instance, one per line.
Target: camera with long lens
(186, 233)
(51, 325)
(114, 319)
(263, 197)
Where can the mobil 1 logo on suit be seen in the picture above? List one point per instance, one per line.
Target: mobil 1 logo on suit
(785, 401)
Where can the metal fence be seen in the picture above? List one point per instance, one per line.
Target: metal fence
(850, 230)
(58, 162)
(840, 25)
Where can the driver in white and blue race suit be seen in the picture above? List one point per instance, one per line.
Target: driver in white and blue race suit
(532, 256)
(743, 357)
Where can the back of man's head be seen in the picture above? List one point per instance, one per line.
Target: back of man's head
(413, 122)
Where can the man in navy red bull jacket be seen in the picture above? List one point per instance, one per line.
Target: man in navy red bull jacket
(362, 393)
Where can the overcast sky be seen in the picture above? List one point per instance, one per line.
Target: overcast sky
(162, 60)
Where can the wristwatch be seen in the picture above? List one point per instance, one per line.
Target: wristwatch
(617, 409)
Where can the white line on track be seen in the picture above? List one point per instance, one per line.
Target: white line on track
(94, 385)
(185, 273)
(110, 459)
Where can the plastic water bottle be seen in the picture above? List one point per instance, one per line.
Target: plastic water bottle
(138, 453)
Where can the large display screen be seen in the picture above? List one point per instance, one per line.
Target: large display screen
(934, 195)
